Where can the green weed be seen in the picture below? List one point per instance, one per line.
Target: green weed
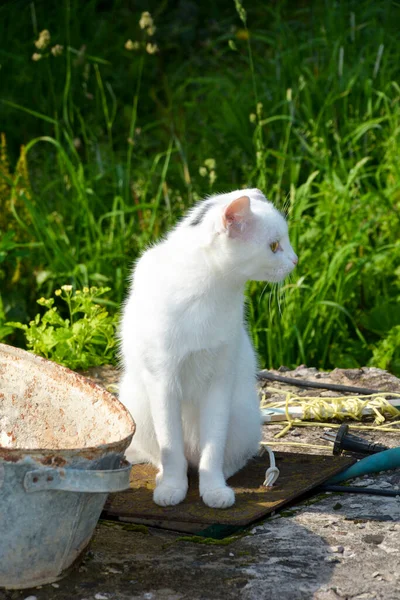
(386, 354)
(85, 339)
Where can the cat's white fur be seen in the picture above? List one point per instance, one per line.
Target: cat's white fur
(189, 369)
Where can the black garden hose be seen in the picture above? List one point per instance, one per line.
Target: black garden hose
(336, 387)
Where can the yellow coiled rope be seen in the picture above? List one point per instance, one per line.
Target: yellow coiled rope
(319, 409)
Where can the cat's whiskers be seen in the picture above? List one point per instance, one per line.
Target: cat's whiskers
(263, 292)
(279, 296)
(286, 205)
(271, 293)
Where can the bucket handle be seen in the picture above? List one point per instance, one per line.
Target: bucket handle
(78, 480)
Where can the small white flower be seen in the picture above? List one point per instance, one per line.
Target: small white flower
(151, 48)
(43, 40)
(210, 163)
(146, 20)
(66, 288)
(57, 50)
(36, 56)
(129, 45)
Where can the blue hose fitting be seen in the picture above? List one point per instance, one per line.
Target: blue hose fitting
(382, 461)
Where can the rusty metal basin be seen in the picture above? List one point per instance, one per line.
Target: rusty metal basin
(62, 441)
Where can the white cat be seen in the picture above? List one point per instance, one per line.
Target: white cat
(189, 369)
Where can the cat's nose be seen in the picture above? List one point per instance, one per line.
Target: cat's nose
(295, 259)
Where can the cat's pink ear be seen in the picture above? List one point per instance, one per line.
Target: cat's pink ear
(236, 214)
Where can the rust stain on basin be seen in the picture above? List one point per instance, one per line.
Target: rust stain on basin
(53, 413)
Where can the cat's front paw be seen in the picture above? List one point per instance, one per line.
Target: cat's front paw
(169, 495)
(221, 497)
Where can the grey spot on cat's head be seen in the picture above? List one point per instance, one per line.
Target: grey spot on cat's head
(200, 213)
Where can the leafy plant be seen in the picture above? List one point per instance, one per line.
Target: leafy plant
(386, 354)
(85, 339)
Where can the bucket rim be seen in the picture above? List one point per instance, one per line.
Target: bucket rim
(60, 456)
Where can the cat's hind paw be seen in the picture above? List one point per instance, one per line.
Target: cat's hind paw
(168, 495)
(221, 497)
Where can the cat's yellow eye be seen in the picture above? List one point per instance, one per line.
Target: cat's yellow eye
(274, 247)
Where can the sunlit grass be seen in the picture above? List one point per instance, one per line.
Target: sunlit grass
(301, 102)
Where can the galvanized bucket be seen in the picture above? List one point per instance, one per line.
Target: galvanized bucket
(62, 440)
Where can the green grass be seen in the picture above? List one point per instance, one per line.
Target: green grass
(301, 101)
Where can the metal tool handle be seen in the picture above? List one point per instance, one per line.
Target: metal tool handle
(78, 480)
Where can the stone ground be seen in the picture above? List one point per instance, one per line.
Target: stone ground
(329, 547)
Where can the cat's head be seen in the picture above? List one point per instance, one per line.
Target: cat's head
(250, 232)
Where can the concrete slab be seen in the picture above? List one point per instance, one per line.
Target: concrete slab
(334, 546)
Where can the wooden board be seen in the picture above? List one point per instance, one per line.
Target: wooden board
(299, 473)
